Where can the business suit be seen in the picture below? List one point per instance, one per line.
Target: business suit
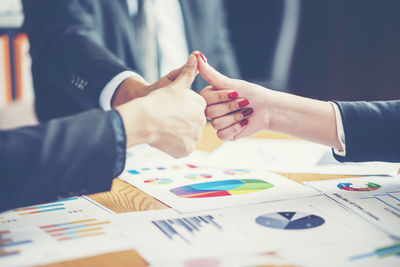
(75, 155)
(372, 130)
(77, 46)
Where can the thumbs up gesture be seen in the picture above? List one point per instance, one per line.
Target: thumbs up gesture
(170, 118)
(235, 107)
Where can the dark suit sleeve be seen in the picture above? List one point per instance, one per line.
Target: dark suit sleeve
(75, 155)
(372, 131)
(66, 48)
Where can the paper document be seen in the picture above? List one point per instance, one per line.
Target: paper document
(143, 156)
(269, 258)
(170, 237)
(282, 232)
(307, 222)
(377, 199)
(292, 156)
(190, 188)
(58, 231)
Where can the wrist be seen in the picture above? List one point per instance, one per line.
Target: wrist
(280, 107)
(135, 119)
(269, 107)
(129, 89)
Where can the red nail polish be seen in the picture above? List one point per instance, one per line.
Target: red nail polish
(247, 112)
(244, 122)
(203, 57)
(243, 103)
(233, 95)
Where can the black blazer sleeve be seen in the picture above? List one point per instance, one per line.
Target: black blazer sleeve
(67, 48)
(372, 130)
(75, 155)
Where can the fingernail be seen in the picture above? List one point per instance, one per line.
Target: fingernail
(243, 103)
(233, 95)
(244, 122)
(203, 57)
(191, 61)
(247, 112)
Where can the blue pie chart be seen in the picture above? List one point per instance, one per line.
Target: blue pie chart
(289, 220)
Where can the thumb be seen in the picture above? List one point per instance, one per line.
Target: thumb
(188, 73)
(167, 79)
(213, 77)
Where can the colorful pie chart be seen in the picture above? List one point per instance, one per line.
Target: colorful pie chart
(221, 188)
(349, 187)
(289, 220)
(158, 181)
(236, 171)
(197, 176)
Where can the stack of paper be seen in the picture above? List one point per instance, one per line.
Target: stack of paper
(58, 231)
(227, 209)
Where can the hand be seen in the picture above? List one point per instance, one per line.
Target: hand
(133, 87)
(236, 108)
(302, 117)
(171, 118)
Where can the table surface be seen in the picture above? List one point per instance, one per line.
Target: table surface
(123, 198)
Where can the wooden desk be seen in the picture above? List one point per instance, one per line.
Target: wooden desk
(124, 197)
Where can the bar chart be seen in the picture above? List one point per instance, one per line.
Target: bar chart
(186, 228)
(392, 250)
(75, 229)
(390, 199)
(55, 206)
(10, 246)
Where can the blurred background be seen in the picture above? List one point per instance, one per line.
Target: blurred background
(328, 50)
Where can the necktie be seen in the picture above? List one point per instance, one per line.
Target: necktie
(148, 38)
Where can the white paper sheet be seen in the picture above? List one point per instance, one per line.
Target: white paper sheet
(74, 208)
(313, 231)
(308, 222)
(292, 156)
(230, 260)
(192, 188)
(143, 156)
(169, 237)
(343, 255)
(376, 199)
(382, 253)
(58, 231)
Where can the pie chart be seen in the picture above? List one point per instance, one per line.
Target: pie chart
(349, 187)
(236, 171)
(198, 176)
(221, 188)
(289, 220)
(158, 181)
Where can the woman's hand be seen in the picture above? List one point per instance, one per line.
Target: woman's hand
(302, 117)
(236, 108)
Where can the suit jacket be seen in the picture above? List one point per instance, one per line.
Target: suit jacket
(372, 130)
(77, 46)
(75, 155)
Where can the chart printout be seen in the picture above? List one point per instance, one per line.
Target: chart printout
(376, 199)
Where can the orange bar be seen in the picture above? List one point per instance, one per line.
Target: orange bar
(7, 68)
(19, 42)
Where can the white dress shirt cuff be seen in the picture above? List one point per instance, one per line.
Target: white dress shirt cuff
(110, 88)
(340, 131)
